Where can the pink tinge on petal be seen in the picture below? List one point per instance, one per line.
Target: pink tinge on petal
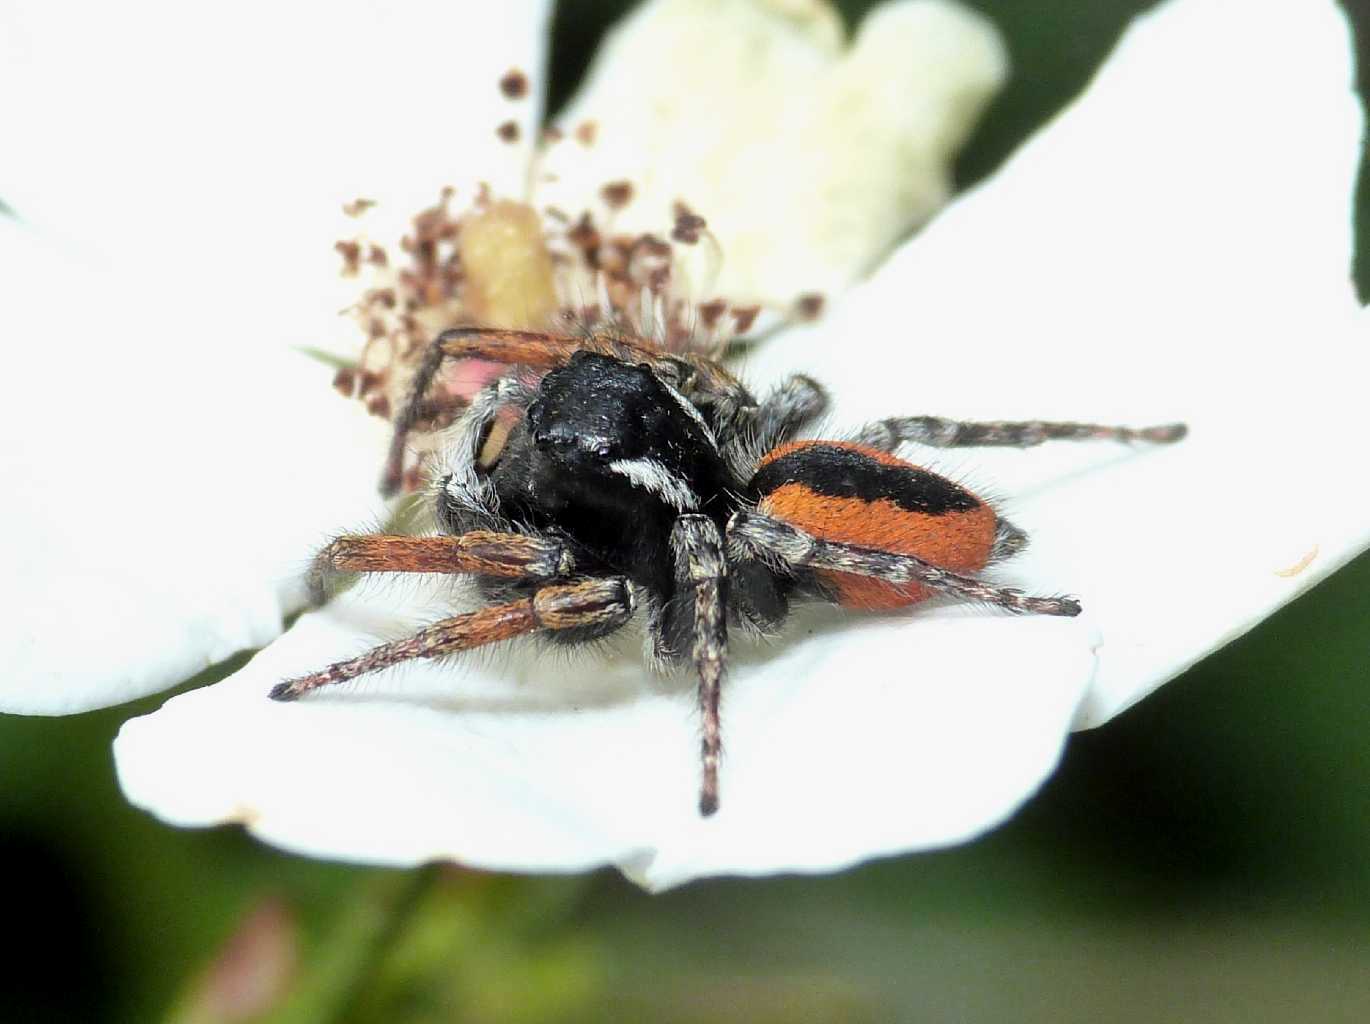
(469, 376)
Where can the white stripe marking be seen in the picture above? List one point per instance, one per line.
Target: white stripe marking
(653, 476)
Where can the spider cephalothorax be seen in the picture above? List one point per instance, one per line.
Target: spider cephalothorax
(602, 476)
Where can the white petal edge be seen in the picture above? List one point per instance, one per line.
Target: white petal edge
(171, 460)
(1174, 246)
(530, 761)
(165, 486)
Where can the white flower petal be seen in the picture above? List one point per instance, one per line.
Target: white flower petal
(808, 158)
(164, 485)
(134, 126)
(1107, 247)
(1174, 247)
(170, 459)
(526, 761)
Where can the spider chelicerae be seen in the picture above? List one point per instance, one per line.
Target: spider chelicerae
(634, 479)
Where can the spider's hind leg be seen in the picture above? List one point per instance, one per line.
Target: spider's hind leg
(934, 431)
(754, 535)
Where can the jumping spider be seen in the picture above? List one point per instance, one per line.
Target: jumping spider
(633, 478)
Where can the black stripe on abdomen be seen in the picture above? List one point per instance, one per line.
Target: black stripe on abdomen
(841, 472)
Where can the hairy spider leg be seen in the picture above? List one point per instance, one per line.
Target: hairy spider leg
(791, 406)
(889, 434)
(794, 403)
(786, 547)
(701, 578)
(478, 552)
(599, 604)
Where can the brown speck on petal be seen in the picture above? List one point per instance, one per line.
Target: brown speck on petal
(351, 253)
(652, 245)
(617, 194)
(649, 262)
(552, 134)
(710, 312)
(745, 317)
(514, 84)
(345, 380)
(586, 133)
(688, 225)
(358, 206)
(379, 405)
(810, 306)
(377, 256)
(586, 237)
(508, 131)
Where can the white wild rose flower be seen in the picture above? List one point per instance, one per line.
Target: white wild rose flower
(1175, 245)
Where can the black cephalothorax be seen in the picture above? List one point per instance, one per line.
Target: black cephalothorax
(602, 477)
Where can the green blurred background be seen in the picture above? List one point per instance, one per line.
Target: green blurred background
(1204, 857)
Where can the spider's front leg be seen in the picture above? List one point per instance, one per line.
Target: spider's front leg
(536, 349)
(478, 552)
(697, 620)
(598, 606)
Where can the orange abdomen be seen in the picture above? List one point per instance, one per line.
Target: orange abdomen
(852, 494)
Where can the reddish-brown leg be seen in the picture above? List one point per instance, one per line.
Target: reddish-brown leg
(598, 606)
(480, 552)
(692, 374)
